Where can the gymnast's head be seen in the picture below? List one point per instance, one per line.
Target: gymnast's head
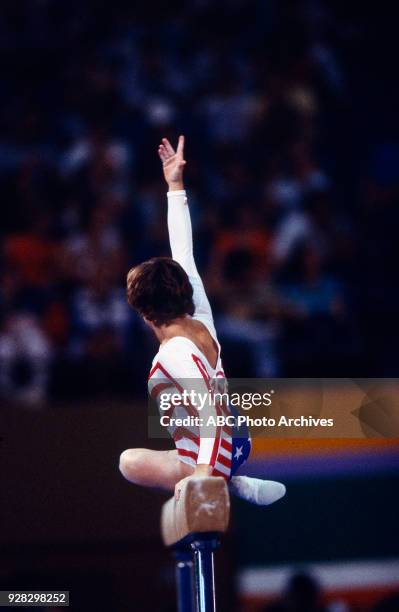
(160, 290)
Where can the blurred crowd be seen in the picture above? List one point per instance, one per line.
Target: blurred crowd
(304, 593)
(293, 186)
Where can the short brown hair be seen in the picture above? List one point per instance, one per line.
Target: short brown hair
(160, 290)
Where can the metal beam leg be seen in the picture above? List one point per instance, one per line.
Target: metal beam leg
(184, 579)
(204, 573)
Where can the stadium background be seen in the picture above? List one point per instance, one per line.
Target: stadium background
(292, 146)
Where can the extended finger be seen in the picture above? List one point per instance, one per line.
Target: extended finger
(168, 146)
(180, 146)
(162, 153)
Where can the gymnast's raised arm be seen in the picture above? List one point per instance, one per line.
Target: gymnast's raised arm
(179, 226)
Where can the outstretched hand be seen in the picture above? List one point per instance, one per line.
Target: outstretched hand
(173, 163)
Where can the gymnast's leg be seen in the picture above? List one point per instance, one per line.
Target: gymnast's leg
(150, 468)
(164, 469)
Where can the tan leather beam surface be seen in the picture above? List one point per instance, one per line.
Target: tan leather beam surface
(204, 505)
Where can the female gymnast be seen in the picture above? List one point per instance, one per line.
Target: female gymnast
(168, 293)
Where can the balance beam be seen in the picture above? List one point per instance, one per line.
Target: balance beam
(191, 527)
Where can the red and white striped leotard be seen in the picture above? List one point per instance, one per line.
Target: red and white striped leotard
(179, 364)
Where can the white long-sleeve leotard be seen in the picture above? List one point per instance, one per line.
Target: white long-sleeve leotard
(179, 364)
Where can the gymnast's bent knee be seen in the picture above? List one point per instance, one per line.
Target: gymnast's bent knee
(132, 464)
